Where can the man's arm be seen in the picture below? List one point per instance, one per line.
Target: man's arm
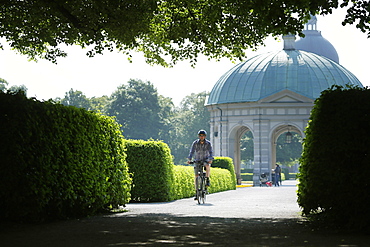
(210, 151)
(191, 152)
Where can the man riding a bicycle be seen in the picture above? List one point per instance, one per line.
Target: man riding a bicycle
(202, 148)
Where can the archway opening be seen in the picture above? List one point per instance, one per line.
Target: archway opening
(246, 156)
(288, 154)
(247, 152)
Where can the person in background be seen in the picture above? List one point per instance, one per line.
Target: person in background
(277, 171)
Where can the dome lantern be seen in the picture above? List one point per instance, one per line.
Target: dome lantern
(289, 42)
(314, 42)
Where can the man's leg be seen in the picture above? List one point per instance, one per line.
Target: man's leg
(208, 173)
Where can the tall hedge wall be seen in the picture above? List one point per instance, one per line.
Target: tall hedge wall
(58, 161)
(150, 163)
(334, 177)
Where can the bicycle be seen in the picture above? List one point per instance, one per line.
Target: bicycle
(200, 182)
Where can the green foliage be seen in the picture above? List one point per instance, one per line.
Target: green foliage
(221, 180)
(247, 176)
(334, 183)
(288, 154)
(166, 114)
(3, 84)
(78, 99)
(144, 114)
(136, 107)
(247, 147)
(225, 163)
(285, 172)
(189, 118)
(150, 163)
(13, 89)
(164, 31)
(58, 161)
(184, 182)
(156, 179)
(96, 24)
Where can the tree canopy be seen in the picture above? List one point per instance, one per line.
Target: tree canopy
(137, 108)
(165, 31)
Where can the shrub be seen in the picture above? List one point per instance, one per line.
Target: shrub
(59, 161)
(150, 163)
(221, 180)
(285, 171)
(184, 181)
(247, 176)
(225, 163)
(336, 155)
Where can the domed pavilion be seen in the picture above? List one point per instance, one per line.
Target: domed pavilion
(270, 94)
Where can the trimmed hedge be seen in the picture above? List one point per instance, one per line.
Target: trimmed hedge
(247, 176)
(150, 163)
(58, 162)
(156, 179)
(225, 163)
(334, 182)
(221, 180)
(184, 181)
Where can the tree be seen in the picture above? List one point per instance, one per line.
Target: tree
(76, 98)
(166, 114)
(79, 99)
(189, 118)
(162, 29)
(3, 84)
(289, 153)
(3, 87)
(247, 147)
(136, 107)
(99, 104)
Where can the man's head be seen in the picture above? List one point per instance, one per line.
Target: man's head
(202, 134)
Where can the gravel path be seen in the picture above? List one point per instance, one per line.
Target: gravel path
(249, 202)
(252, 216)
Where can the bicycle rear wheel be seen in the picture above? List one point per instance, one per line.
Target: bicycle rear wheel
(204, 190)
(199, 189)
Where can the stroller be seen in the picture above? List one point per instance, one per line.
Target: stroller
(264, 180)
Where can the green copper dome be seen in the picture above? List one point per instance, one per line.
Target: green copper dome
(302, 72)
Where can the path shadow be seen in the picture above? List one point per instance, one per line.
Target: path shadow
(170, 230)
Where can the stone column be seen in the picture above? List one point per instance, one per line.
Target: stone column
(261, 149)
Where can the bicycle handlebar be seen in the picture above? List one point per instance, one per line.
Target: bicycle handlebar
(199, 162)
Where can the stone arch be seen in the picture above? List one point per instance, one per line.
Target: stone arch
(279, 130)
(283, 128)
(234, 138)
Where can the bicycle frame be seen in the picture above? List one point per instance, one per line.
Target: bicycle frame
(200, 182)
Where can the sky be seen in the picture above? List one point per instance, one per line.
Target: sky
(102, 74)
